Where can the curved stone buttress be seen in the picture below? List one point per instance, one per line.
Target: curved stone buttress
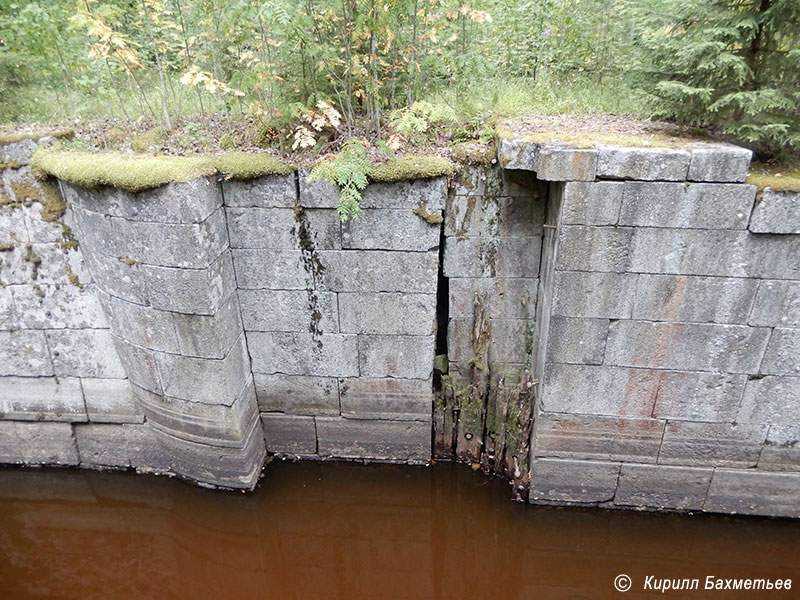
(162, 263)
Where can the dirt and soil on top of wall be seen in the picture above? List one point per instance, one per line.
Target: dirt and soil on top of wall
(140, 154)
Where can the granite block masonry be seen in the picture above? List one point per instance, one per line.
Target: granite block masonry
(605, 326)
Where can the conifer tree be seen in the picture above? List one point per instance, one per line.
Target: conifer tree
(730, 63)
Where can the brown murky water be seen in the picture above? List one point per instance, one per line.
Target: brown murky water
(326, 530)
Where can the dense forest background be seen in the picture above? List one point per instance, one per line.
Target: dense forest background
(732, 66)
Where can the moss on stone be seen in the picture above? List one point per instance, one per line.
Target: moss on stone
(474, 153)
(127, 261)
(407, 168)
(244, 165)
(138, 173)
(114, 136)
(432, 217)
(781, 178)
(53, 204)
(226, 142)
(10, 165)
(152, 138)
(25, 191)
(590, 139)
(12, 137)
(73, 278)
(7, 246)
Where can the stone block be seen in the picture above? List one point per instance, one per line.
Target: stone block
(572, 340)
(511, 340)
(141, 325)
(296, 353)
(297, 394)
(696, 396)
(580, 481)
(191, 246)
(84, 353)
(512, 298)
(396, 441)
(583, 248)
(18, 152)
(469, 180)
(498, 257)
(402, 356)
(712, 444)
(754, 493)
(42, 399)
(379, 271)
(517, 154)
(317, 194)
(597, 437)
(591, 203)
(555, 163)
(181, 202)
(263, 192)
(781, 451)
(10, 449)
(110, 401)
(783, 353)
(597, 390)
(39, 230)
(10, 320)
(215, 381)
(385, 229)
(196, 291)
(47, 443)
(773, 256)
(494, 216)
(660, 486)
(719, 162)
(594, 295)
(290, 434)
(102, 445)
(693, 299)
(430, 193)
(218, 466)
(386, 399)
(56, 307)
(289, 310)
(387, 313)
(776, 212)
(140, 365)
(459, 340)
(647, 164)
(777, 304)
(209, 336)
(693, 206)
(200, 422)
(128, 282)
(280, 228)
(771, 400)
(686, 346)
(144, 452)
(24, 353)
(271, 269)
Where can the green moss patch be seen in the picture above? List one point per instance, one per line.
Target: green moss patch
(143, 172)
(475, 153)
(12, 137)
(408, 168)
(781, 178)
(244, 165)
(153, 138)
(10, 165)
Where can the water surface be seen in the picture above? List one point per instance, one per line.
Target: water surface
(349, 531)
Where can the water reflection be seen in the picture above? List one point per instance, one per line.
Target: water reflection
(333, 530)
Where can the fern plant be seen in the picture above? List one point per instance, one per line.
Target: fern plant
(348, 171)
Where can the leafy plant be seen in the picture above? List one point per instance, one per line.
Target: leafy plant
(348, 171)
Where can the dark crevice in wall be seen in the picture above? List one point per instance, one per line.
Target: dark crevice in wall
(442, 313)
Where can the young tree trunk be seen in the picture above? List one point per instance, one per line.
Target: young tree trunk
(161, 77)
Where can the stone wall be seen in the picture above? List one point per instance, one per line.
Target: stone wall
(339, 317)
(606, 326)
(64, 395)
(670, 365)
